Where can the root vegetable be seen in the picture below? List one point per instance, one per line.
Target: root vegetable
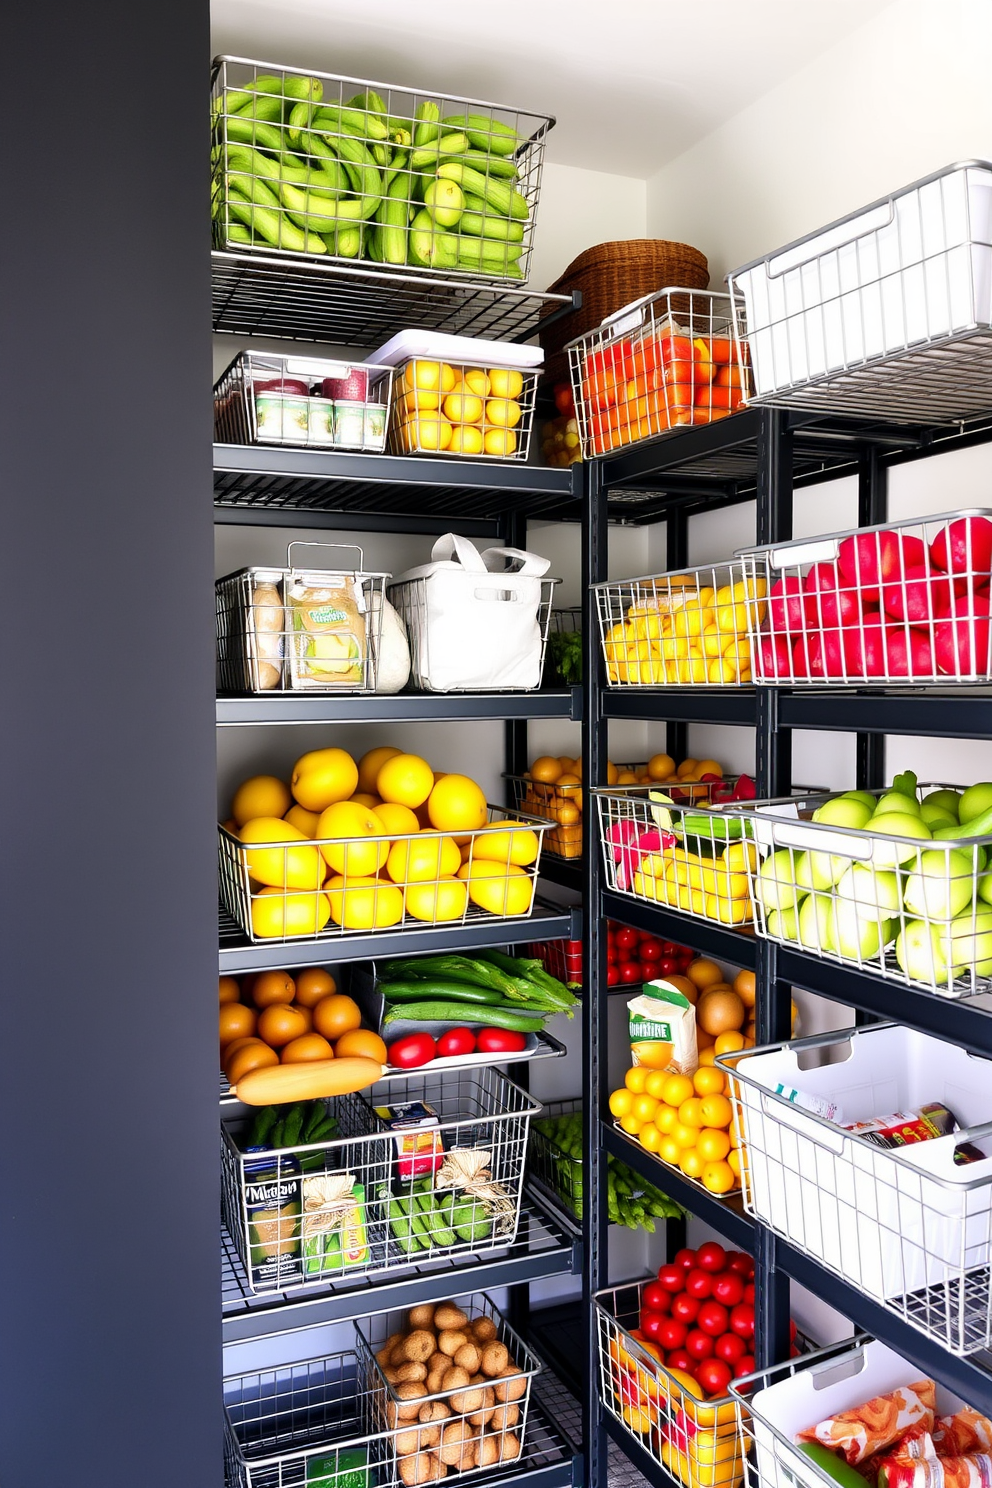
(468, 1401)
(447, 1316)
(509, 1446)
(416, 1439)
(457, 1447)
(438, 1360)
(405, 1408)
(455, 1378)
(436, 1410)
(421, 1317)
(419, 1346)
(410, 1372)
(420, 1468)
(484, 1414)
(503, 1417)
(483, 1329)
(469, 1357)
(450, 1341)
(510, 1386)
(486, 1451)
(495, 1358)
(435, 1380)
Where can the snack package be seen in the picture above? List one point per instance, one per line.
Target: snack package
(661, 1024)
(865, 1430)
(915, 1464)
(266, 625)
(902, 1128)
(966, 1431)
(329, 637)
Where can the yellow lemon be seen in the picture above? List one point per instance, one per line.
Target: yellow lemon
(262, 795)
(670, 1151)
(278, 915)
(504, 383)
(477, 381)
(303, 820)
(364, 851)
(504, 413)
(397, 820)
(427, 432)
(466, 439)
(444, 899)
(621, 1103)
(371, 763)
(500, 442)
(288, 867)
(364, 903)
(428, 377)
(507, 842)
(405, 780)
(456, 804)
(462, 406)
(501, 888)
(636, 1079)
(421, 859)
(322, 777)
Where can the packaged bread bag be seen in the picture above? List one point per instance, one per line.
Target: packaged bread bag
(328, 631)
(661, 1023)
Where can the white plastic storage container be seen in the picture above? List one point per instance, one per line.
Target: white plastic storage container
(908, 272)
(909, 1227)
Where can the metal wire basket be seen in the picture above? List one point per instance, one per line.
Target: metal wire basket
(682, 629)
(457, 409)
(299, 629)
(910, 1226)
(899, 604)
(340, 169)
(294, 400)
(327, 887)
(549, 1165)
(469, 1148)
(412, 599)
(468, 1417)
(694, 1441)
(887, 311)
(911, 910)
(665, 362)
(561, 805)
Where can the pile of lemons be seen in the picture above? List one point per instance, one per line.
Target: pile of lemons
(685, 633)
(438, 408)
(367, 843)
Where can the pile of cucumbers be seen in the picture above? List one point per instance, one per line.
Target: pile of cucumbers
(346, 179)
(421, 1219)
(298, 1125)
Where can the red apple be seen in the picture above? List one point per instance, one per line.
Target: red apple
(918, 596)
(825, 654)
(964, 547)
(774, 657)
(829, 601)
(867, 559)
(961, 643)
(800, 657)
(905, 657)
(786, 605)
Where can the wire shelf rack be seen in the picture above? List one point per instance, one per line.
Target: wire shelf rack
(686, 629)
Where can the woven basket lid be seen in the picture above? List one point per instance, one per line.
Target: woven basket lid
(631, 251)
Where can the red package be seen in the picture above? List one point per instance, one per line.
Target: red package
(866, 1430)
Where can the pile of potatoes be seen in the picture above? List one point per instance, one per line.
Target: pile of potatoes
(442, 1353)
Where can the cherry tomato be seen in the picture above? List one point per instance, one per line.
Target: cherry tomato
(455, 1042)
(655, 1297)
(711, 1256)
(698, 1283)
(685, 1258)
(730, 1348)
(627, 938)
(679, 1359)
(667, 966)
(500, 1041)
(651, 949)
(698, 1344)
(742, 1320)
(728, 1289)
(669, 948)
(648, 970)
(749, 1294)
(672, 1279)
(714, 1376)
(651, 1325)
(414, 1050)
(611, 954)
(612, 976)
(713, 1319)
(744, 1366)
(742, 1264)
(624, 954)
(630, 971)
(671, 1333)
(685, 1308)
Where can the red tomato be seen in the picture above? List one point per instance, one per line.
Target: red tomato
(500, 1041)
(455, 1042)
(711, 1256)
(685, 1308)
(728, 1289)
(698, 1344)
(655, 1298)
(611, 954)
(651, 1323)
(742, 1320)
(714, 1376)
(667, 965)
(672, 1279)
(698, 1283)
(651, 949)
(685, 1258)
(671, 1333)
(648, 970)
(669, 948)
(613, 976)
(730, 1348)
(626, 938)
(713, 1318)
(679, 1359)
(630, 971)
(416, 1049)
(624, 954)
(744, 1366)
(749, 1294)
(739, 1260)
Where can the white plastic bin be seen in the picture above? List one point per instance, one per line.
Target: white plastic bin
(909, 1227)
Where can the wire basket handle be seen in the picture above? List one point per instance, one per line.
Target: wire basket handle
(833, 239)
(330, 547)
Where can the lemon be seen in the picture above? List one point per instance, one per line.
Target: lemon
(286, 867)
(457, 804)
(428, 377)
(428, 432)
(501, 442)
(364, 903)
(262, 795)
(443, 899)
(371, 763)
(507, 842)
(303, 820)
(419, 860)
(505, 384)
(501, 888)
(466, 439)
(356, 857)
(277, 915)
(397, 821)
(462, 406)
(477, 381)
(503, 412)
(322, 777)
(405, 780)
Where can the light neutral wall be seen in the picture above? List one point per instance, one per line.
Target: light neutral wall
(579, 208)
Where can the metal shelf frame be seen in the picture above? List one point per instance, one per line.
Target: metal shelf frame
(402, 707)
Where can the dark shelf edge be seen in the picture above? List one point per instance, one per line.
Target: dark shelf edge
(733, 706)
(418, 707)
(935, 714)
(393, 470)
(670, 924)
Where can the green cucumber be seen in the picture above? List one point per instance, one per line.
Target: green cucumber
(488, 165)
(438, 987)
(427, 121)
(263, 1124)
(486, 133)
(471, 1222)
(254, 132)
(831, 1464)
(441, 1234)
(333, 117)
(486, 225)
(448, 144)
(393, 220)
(439, 1011)
(499, 195)
(353, 153)
(488, 255)
(402, 1227)
(429, 247)
(251, 202)
(293, 1124)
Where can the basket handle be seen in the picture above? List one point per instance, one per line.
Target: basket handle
(836, 237)
(531, 565)
(330, 547)
(452, 546)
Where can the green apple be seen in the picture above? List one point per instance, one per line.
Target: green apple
(940, 885)
(967, 942)
(947, 800)
(857, 936)
(843, 812)
(936, 816)
(873, 893)
(919, 953)
(985, 888)
(817, 870)
(775, 885)
(899, 834)
(815, 925)
(783, 924)
(894, 802)
(976, 800)
(865, 797)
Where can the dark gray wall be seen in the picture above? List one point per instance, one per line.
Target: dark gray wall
(109, 1265)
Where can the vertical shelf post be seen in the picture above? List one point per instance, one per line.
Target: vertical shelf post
(677, 556)
(873, 508)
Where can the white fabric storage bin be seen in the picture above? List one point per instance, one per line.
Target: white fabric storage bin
(908, 1226)
(473, 622)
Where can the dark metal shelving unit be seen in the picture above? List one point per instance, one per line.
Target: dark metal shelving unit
(761, 455)
(403, 707)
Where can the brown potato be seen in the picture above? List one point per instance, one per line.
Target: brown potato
(455, 1378)
(416, 1439)
(438, 1469)
(435, 1380)
(421, 1317)
(469, 1357)
(478, 1379)
(406, 1407)
(483, 1329)
(436, 1410)
(447, 1315)
(457, 1447)
(415, 1469)
(485, 1412)
(467, 1401)
(393, 1340)
(438, 1360)
(419, 1346)
(398, 1355)
(495, 1358)
(503, 1417)
(450, 1341)
(486, 1451)
(509, 1446)
(382, 1357)
(510, 1386)
(410, 1371)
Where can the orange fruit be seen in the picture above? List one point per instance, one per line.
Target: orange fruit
(306, 1014)
(630, 1124)
(621, 1102)
(405, 780)
(660, 766)
(361, 1043)
(236, 1021)
(712, 1145)
(279, 1024)
(734, 1162)
(692, 1162)
(253, 1054)
(718, 1177)
(728, 1043)
(708, 1081)
(684, 1136)
(650, 1137)
(744, 986)
(706, 1058)
(655, 1083)
(703, 972)
(313, 983)
(546, 769)
(262, 795)
(308, 1046)
(678, 1088)
(236, 1044)
(719, 1010)
(636, 1079)
(717, 1111)
(644, 1107)
(691, 1112)
(229, 989)
(670, 1151)
(271, 987)
(397, 820)
(666, 1119)
(457, 804)
(371, 763)
(336, 1015)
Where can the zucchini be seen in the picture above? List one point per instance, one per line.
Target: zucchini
(710, 829)
(430, 247)
(486, 133)
(441, 1234)
(345, 241)
(250, 131)
(439, 987)
(331, 118)
(489, 165)
(448, 144)
(364, 171)
(251, 202)
(402, 1226)
(427, 124)
(499, 195)
(393, 219)
(488, 254)
(439, 1011)
(481, 223)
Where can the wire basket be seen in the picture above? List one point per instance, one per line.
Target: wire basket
(684, 629)
(397, 1212)
(304, 1423)
(665, 362)
(887, 311)
(467, 1416)
(561, 958)
(902, 908)
(340, 169)
(695, 1441)
(898, 605)
(549, 1165)
(457, 409)
(910, 1226)
(321, 889)
(562, 806)
(294, 400)
(688, 857)
(299, 630)
(412, 600)
(563, 668)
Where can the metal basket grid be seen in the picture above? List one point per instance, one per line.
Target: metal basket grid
(411, 600)
(282, 1425)
(874, 604)
(478, 1110)
(342, 905)
(664, 362)
(695, 1442)
(562, 807)
(689, 857)
(508, 1431)
(549, 1165)
(245, 413)
(684, 629)
(264, 643)
(906, 910)
(471, 411)
(338, 169)
(916, 1241)
(885, 312)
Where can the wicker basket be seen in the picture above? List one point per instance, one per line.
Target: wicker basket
(612, 275)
